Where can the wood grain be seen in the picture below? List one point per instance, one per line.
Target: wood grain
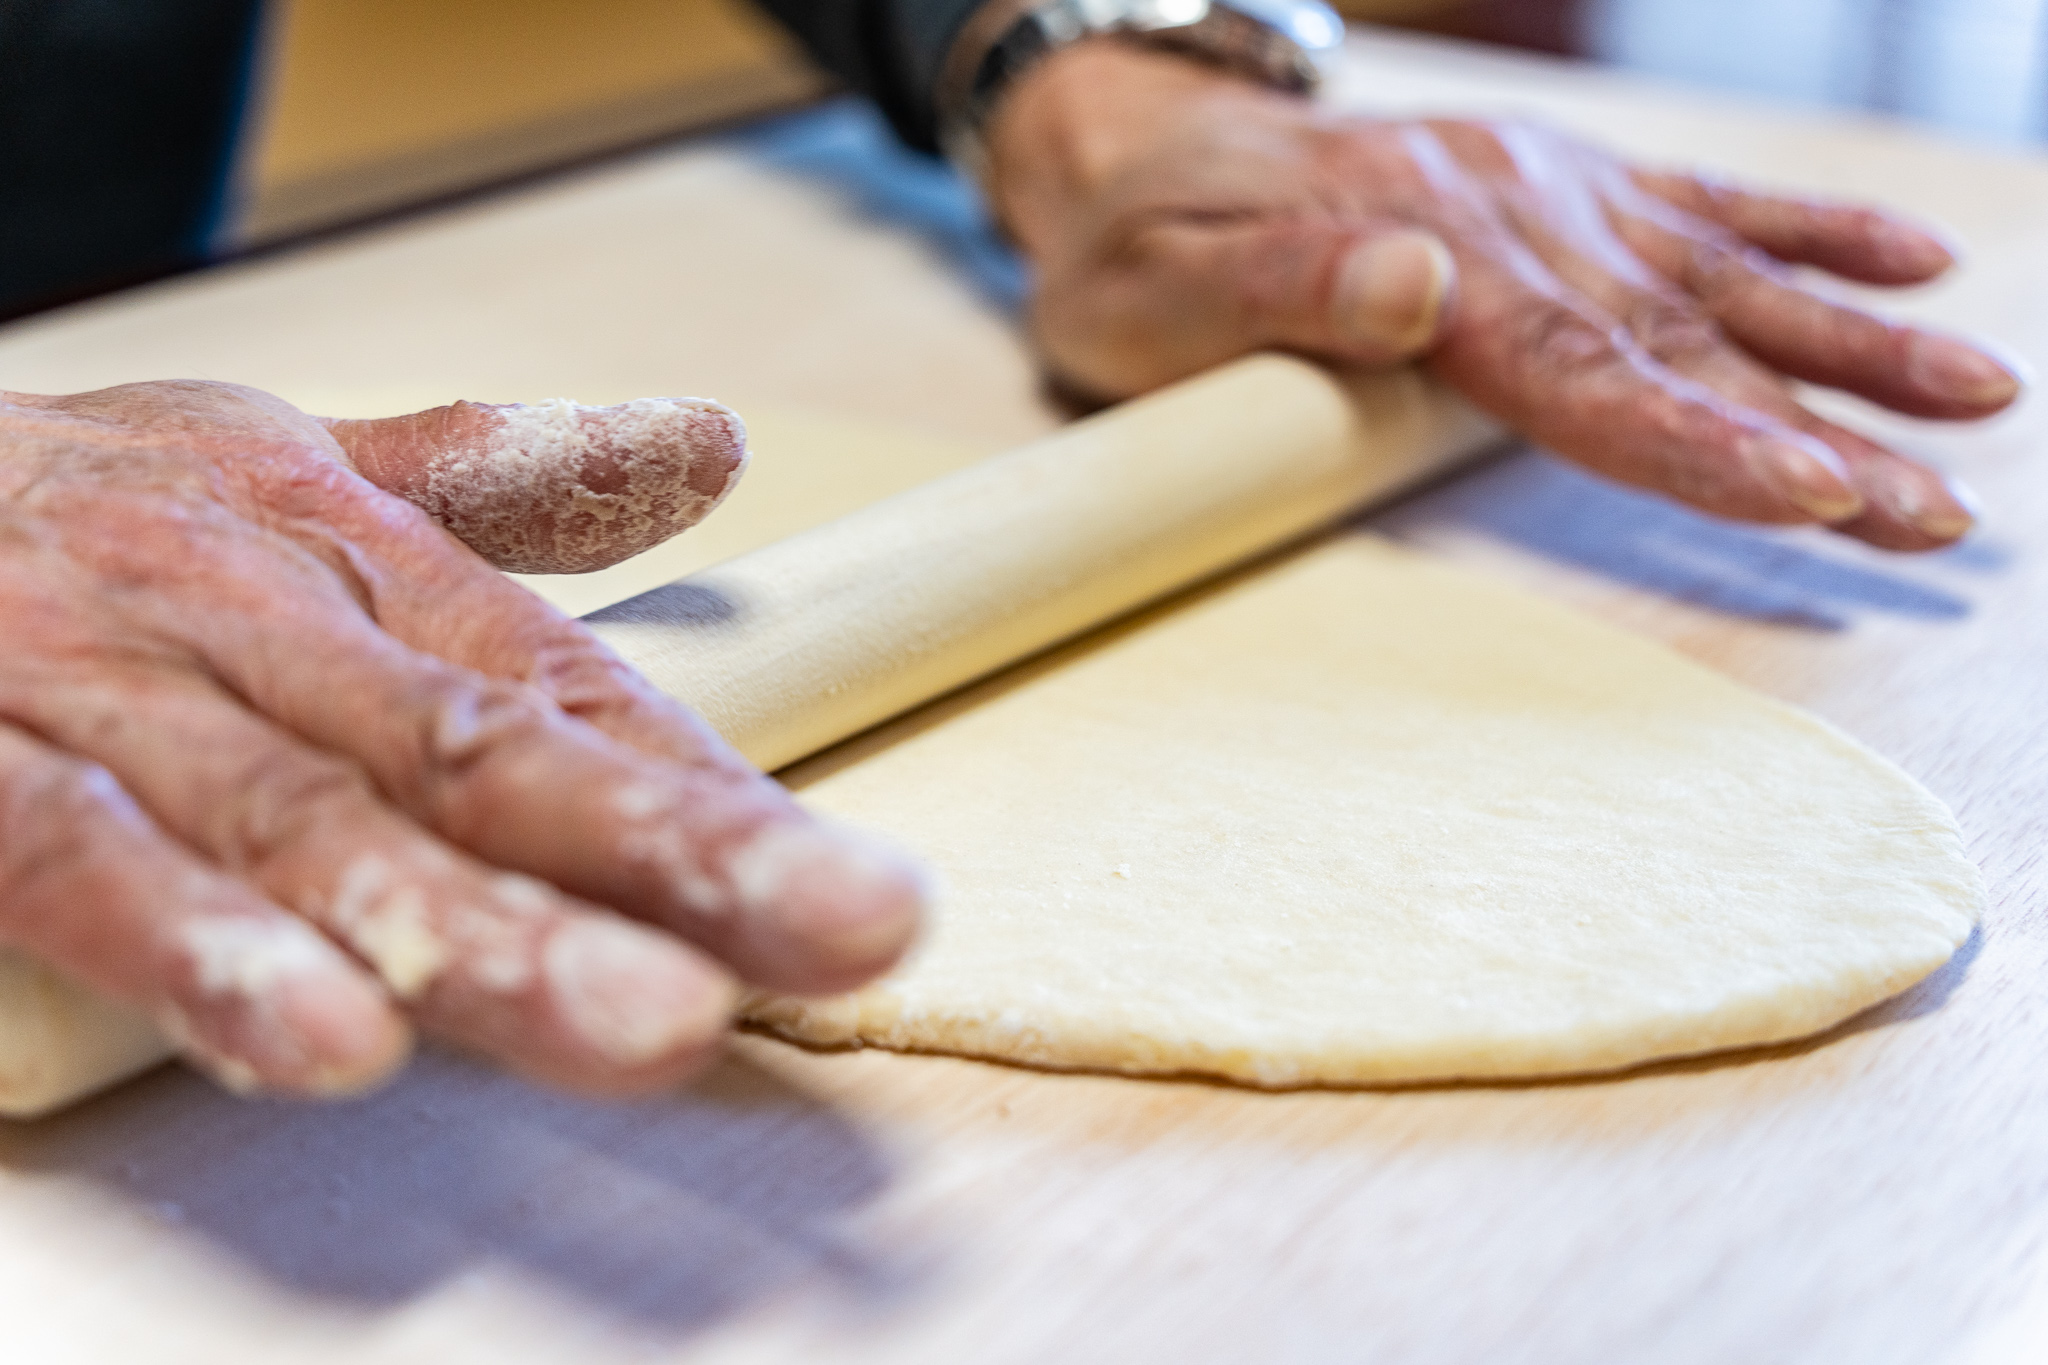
(1880, 1195)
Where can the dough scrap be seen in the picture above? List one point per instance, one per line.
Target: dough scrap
(1364, 817)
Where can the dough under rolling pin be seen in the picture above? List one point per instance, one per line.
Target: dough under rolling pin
(835, 629)
(1309, 948)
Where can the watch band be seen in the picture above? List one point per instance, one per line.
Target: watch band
(1273, 42)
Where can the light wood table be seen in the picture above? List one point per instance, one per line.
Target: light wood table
(1878, 1195)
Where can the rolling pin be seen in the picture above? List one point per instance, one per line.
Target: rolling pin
(802, 643)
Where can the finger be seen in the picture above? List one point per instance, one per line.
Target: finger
(1797, 333)
(438, 599)
(1179, 293)
(368, 552)
(714, 851)
(1571, 378)
(555, 487)
(596, 782)
(253, 995)
(503, 965)
(707, 848)
(1855, 241)
(579, 673)
(1905, 506)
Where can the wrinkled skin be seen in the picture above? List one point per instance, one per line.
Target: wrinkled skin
(1643, 324)
(272, 746)
(289, 767)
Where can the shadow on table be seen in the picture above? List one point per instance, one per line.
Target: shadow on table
(1542, 505)
(845, 146)
(665, 1216)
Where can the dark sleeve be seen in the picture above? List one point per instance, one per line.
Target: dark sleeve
(117, 127)
(889, 50)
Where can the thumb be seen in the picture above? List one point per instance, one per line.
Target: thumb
(1388, 299)
(555, 487)
(1188, 293)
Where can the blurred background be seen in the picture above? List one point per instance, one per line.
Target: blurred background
(349, 110)
(1978, 68)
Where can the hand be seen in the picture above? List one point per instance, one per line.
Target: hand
(1643, 324)
(289, 767)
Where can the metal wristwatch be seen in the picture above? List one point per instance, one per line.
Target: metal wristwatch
(1273, 42)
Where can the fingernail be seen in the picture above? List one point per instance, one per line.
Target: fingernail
(631, 993)
(1946, 514)
(285, 1011)
(840, 893)
(1390, 294)
(1807, 473)
(354, 1042)
(1962, 372)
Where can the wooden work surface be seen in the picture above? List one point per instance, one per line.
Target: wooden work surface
(1878, 1195)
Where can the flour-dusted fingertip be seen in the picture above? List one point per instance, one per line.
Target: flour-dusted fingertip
(355, 1040)
(278, 1010)
(633, 995)
(849, 902)
(556, 486)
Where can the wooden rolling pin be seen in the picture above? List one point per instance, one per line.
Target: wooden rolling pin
(802, 643)
(805, 642)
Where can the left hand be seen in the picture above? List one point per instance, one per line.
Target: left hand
(291, 769)
(1643, 324)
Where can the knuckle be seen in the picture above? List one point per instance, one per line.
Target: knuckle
(471, 723)
(1690, 430)
(1564, 347)
(279, 798)
(1711, 271)
(1674, 336)
(1720, 272)
(583, 677)
(301, 481)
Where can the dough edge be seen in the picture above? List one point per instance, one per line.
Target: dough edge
(1937, 912)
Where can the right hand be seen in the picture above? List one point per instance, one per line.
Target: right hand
(1644, 324)
(291, 769)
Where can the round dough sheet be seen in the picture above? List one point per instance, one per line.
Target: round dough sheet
(1364, 817)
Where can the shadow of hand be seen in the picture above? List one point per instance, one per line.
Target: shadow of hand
(667, 1215)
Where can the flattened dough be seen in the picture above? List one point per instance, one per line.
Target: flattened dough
(1364, 817)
